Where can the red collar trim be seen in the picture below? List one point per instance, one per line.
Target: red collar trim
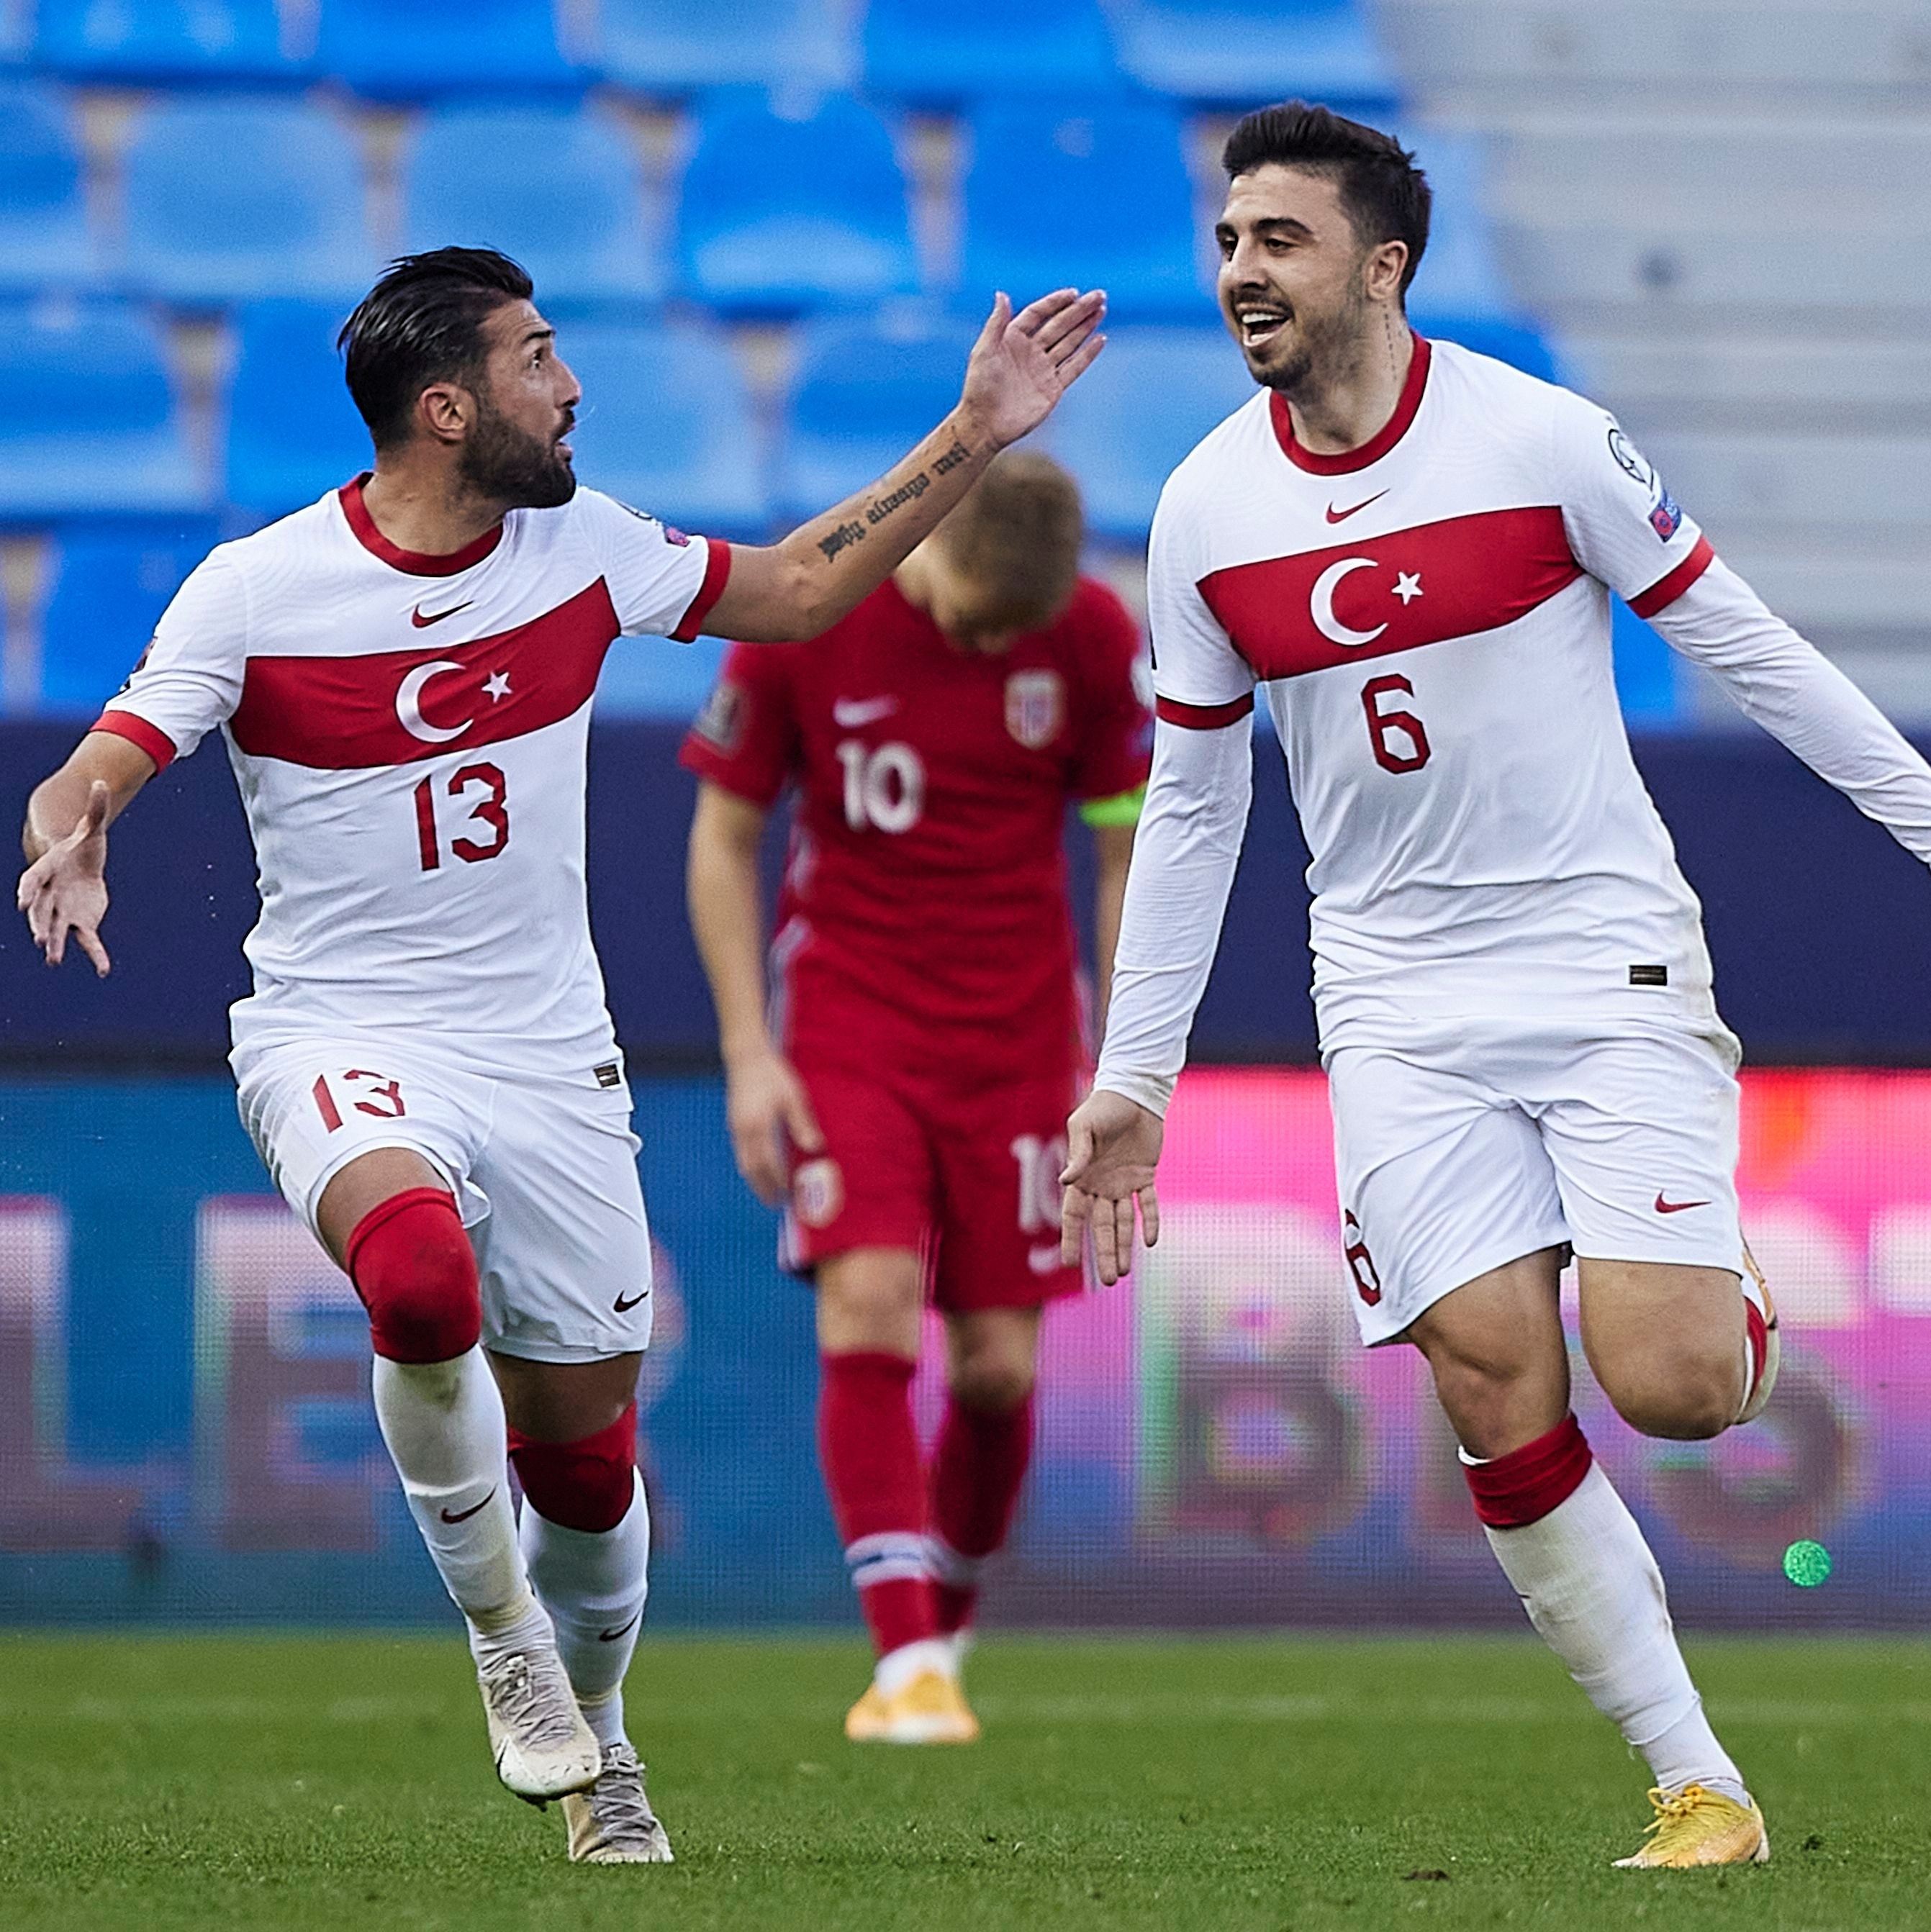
(418, 563)
(1377, 446)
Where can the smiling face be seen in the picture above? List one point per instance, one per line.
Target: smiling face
(1299, 290)
(524, 407)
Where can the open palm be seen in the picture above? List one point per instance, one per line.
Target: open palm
(1022, 365)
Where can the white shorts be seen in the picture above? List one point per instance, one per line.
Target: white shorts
(1482, 1141)
(544, 1170)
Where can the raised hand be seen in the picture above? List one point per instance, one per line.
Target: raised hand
(1022, 365)
(1112, 1148)
(65, 890)
(769, 1113)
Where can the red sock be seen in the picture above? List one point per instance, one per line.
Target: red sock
(977, 1472)
(869, 1448)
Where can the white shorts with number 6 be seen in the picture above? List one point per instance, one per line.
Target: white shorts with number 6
(1481, 1141)
(544, 1170)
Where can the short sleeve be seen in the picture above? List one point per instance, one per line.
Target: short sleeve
(1624, 526)
(1116, 737)
(1199, 679)
(189, 678)
(745, 738)
(662, 582)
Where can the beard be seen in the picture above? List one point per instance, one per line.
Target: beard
(513, 467)
(1324, 345)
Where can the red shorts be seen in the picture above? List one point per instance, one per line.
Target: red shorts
(970, 1178)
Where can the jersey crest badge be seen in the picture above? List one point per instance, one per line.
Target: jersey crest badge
(1035, 707)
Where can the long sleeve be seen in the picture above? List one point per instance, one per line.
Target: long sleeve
(1796, 694)
(1183, 857)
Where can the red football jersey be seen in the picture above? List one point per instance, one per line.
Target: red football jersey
(924, 896)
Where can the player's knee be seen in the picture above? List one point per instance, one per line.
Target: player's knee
(416, 1272)
(588, 1484)
(992, 1383)
(1684, 1394)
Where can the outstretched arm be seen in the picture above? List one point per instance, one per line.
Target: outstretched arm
(765, 1103)
(64, 890)
(1796, 694)
(1021, 366)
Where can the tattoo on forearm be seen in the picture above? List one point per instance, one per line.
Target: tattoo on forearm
(953, 457)
(842, 538)
(909, 491)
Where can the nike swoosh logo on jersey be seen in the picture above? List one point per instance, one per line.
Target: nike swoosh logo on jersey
(1336, 516)
(1676, 1207)
(849, 713)
(630, 1623)
(1043, 1257)
(422, 623)
(624, 1307)
(464, 1516)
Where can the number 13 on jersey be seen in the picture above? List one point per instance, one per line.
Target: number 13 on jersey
(491, 812)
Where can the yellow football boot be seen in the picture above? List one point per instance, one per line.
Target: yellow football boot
(930, 1710)
(1696, 1827)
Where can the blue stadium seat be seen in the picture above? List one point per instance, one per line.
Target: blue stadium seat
(645, 677)
(1096, 195)
(108, 589)
(666, 425)
(44, 238)
(783, 211)
(415, 49)
(942, 52)
(293, 434)
(1243, 53)
(705, 43)
(165, 41)
(88, 421)
(864, 393)
(1459, 274)
(1122, 427)
(231, 198)
(553, 186)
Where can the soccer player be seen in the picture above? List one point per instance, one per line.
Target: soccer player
(1411, 548)
(908, 1097)
(403, 671)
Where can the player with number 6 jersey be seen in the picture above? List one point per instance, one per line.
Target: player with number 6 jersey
(1411, 550)
(403, 672)
(905, 1089)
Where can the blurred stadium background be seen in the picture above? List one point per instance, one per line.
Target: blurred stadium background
(767, 228)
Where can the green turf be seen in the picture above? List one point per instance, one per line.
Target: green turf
(306, 1784)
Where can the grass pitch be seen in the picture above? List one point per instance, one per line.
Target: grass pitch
(318, 1784)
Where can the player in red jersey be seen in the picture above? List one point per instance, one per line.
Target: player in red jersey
(426, 1064)
(906, 1094)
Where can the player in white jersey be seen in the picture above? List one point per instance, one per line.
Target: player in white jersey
(425, 1062)
(1412, 549)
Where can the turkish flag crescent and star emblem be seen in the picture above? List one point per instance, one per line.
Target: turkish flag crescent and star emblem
(1035, 707)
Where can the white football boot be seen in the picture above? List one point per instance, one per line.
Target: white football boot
(612, 1823)
(543, 1747)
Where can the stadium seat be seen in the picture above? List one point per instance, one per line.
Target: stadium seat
(864, 393)
(665, 424)
(108, 589)
(705, 44)
(1122, 427)
(1242, 53)
(555, 187)
(88, 420)
(232, 199)
(783, 210)
(645, 677)
(1459, 274)
(292, 432)
(44, 238)
(415, 50)
(943, 52)
(1097, 195)
(163, 41)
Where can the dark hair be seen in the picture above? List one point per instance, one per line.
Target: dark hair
(422, 323)
(1386, 197)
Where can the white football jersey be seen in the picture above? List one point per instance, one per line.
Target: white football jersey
(1430, 617)
(409, 734)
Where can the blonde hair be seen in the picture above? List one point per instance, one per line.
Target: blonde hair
(1017, 535)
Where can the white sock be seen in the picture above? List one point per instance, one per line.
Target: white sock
(1592, 1589)
(443, 1423)
(897, 1668)
(593, 1583)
